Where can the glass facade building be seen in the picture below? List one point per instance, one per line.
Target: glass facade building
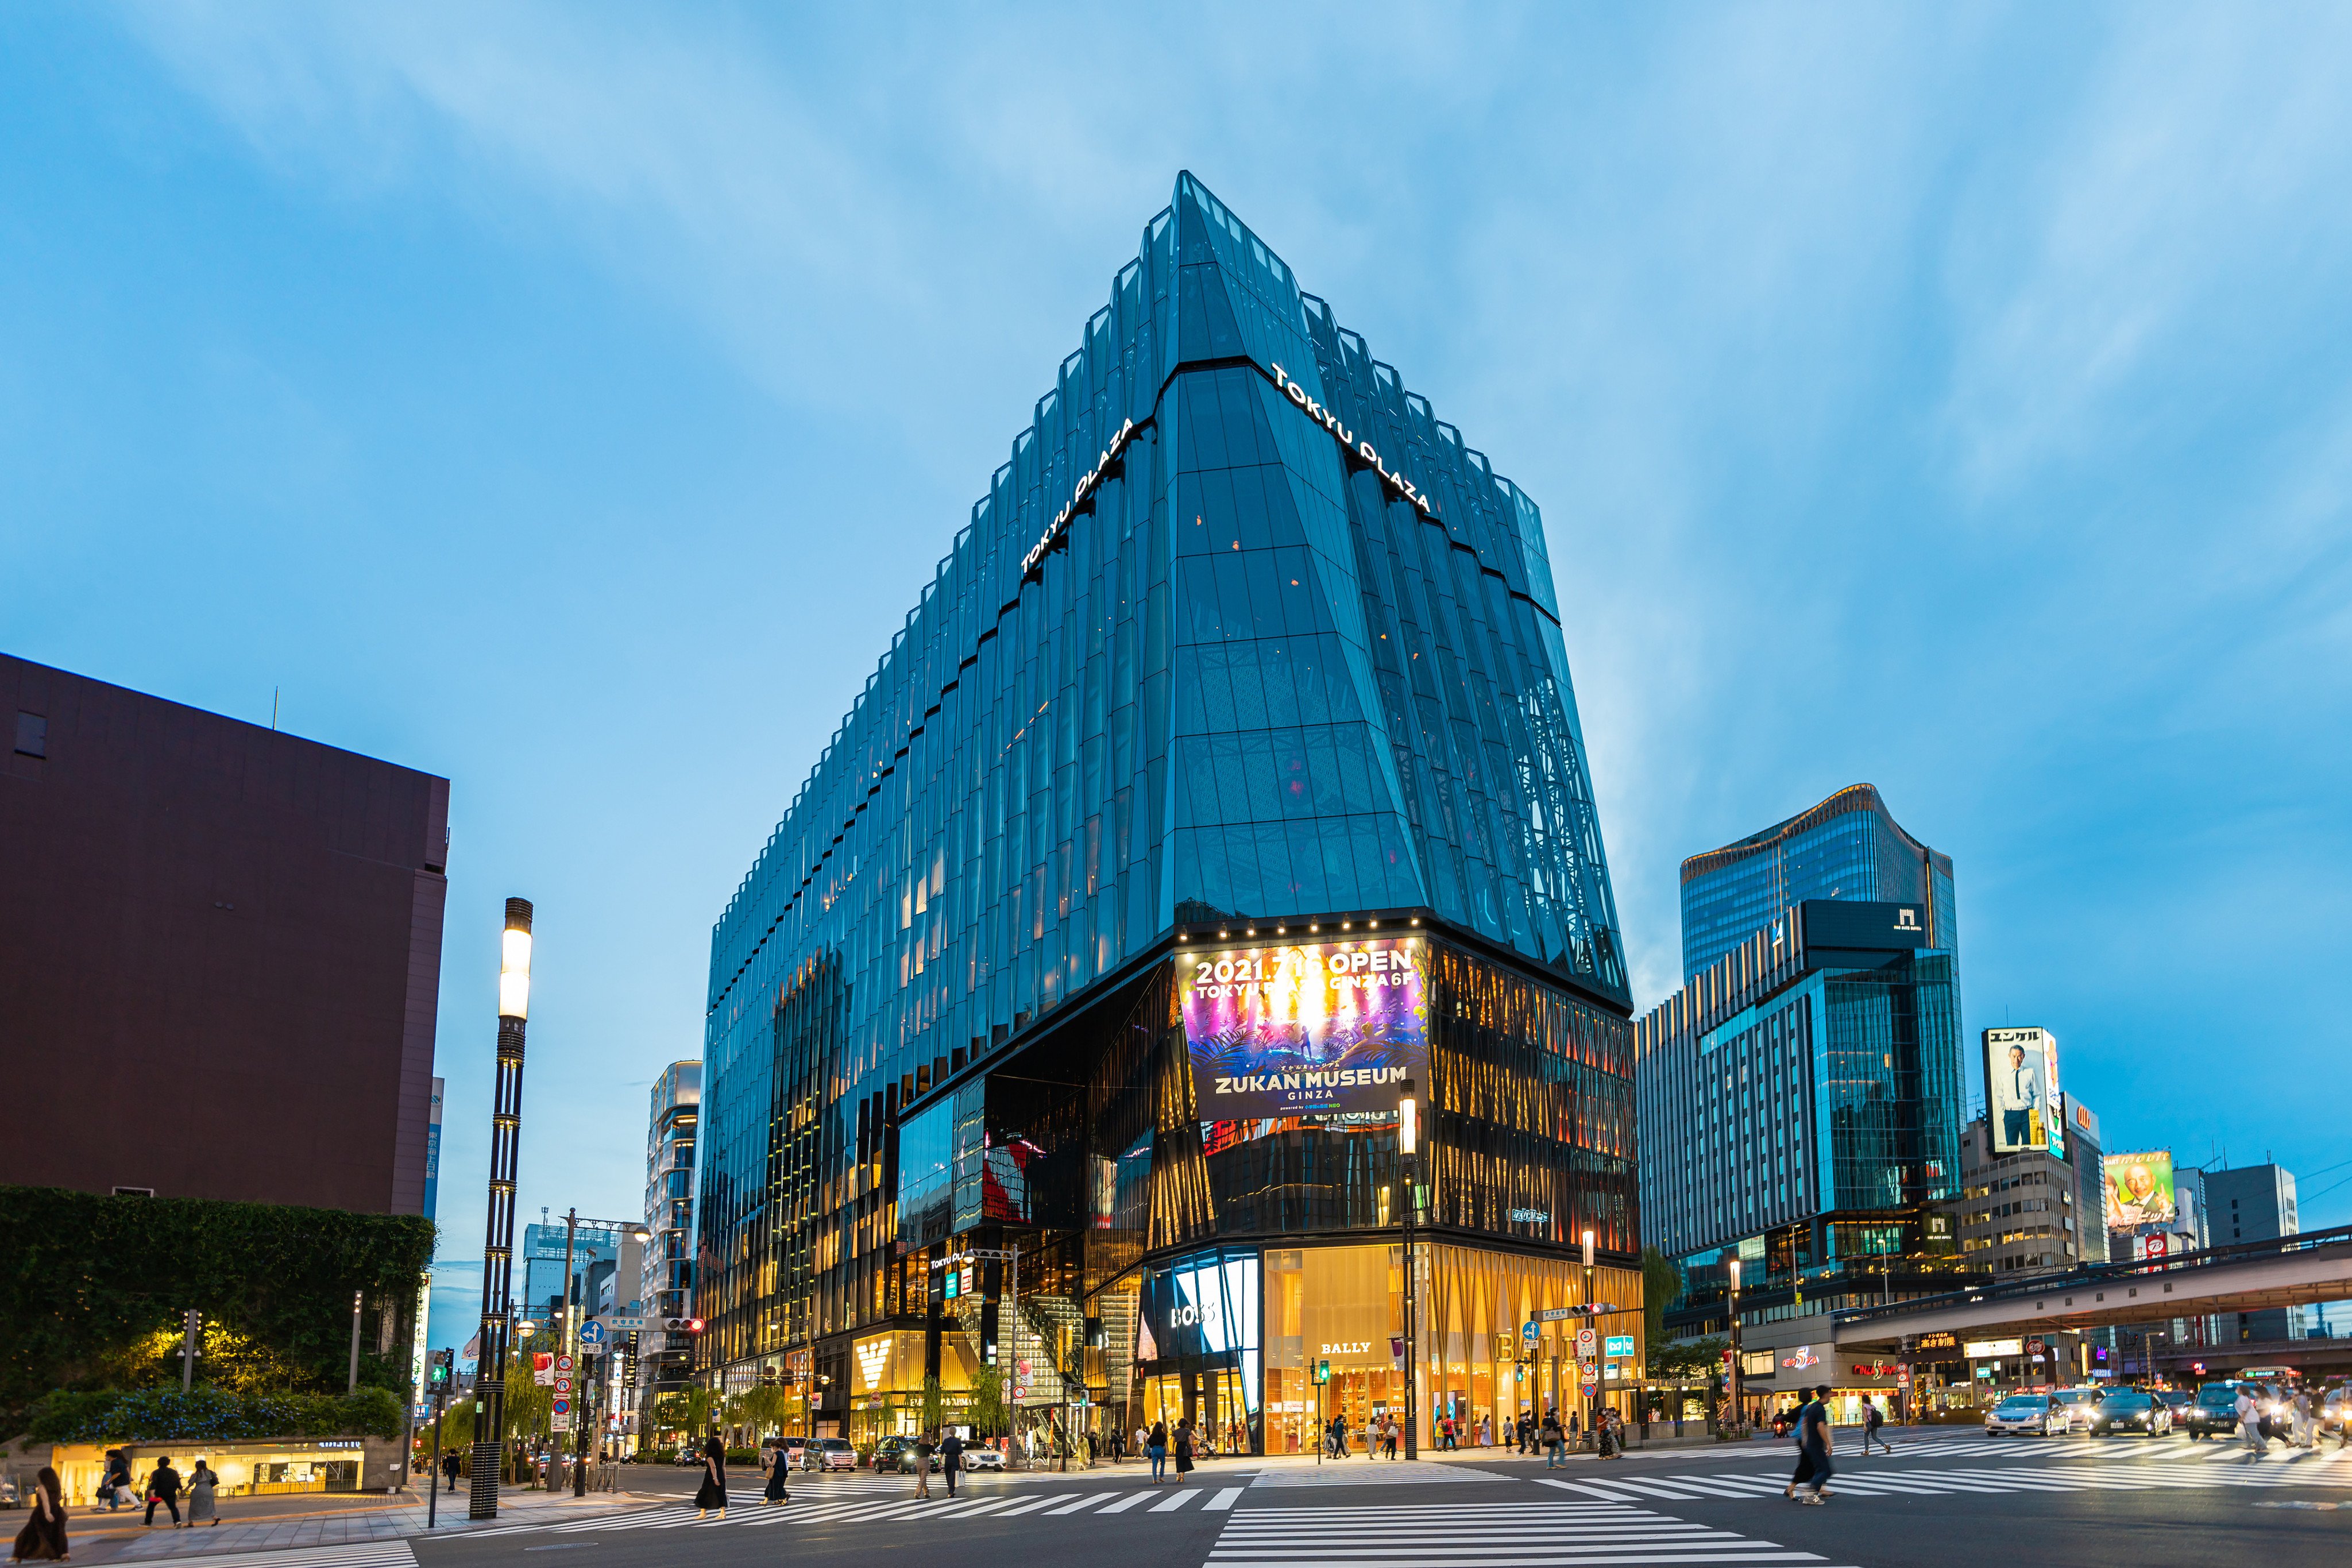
(1242, 646)
(665, 1359)
(1801, 1102)
(1849, 846)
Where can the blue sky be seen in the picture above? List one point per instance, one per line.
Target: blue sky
(571, 401)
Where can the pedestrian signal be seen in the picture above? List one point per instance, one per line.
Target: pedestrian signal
(1322, 1372)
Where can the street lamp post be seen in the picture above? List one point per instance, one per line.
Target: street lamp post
(1408, 1144)
(1738, 1411)
(1592, 1401)
(498, 1247)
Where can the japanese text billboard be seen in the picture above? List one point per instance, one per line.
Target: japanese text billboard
(2022, 1090)
(2139, 1190)
(1294, 1028)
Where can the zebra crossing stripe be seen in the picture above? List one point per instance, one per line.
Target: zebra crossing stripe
(1039, 1502)
(1082, 1502)
(1123, 1504)
(1224, 1500)
(1554, 1533)
(1179, 1500)
(350, 1555)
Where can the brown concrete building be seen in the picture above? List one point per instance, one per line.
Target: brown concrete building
(220, 953)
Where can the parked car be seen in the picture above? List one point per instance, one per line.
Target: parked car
(828, 1453)
(2128, 1411)
(977, 1458)
(2027, 1415)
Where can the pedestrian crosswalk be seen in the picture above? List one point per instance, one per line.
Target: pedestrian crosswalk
(2076, 1473)
(1042, 1501)
(1476, 1535)
(1372, 1472)
(356, 1554)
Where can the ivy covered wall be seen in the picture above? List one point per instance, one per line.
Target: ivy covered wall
(94, 1288)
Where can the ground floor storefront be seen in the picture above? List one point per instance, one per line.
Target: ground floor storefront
(1262, 1348)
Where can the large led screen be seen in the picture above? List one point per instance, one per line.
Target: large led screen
(2139, 1190)
(1300, 1027)
(2021, 1086)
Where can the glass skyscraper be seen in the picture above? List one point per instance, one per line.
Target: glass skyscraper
(1848, 846)
(1227, 777)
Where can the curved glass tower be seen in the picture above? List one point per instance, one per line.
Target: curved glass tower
(1232, 743)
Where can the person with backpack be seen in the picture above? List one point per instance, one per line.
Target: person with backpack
(1871, 1421)
(1554, 1441)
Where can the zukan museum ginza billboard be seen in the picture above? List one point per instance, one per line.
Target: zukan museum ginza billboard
(1299, 1028)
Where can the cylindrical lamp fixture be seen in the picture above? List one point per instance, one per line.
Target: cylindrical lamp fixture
(514, 961)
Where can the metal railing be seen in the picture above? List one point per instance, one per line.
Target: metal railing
(2091, 1275)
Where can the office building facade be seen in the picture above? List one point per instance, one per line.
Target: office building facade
(2029, 1211)
(249, 917)
(1233, 744)
(1849, 846)
(665, 1358)
(1800, 1106)
(2255, 1203)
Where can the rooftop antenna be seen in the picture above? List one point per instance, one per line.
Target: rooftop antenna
(273, 708)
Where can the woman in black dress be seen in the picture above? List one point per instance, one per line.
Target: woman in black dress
(712, 1493)
(43, 1539)
(1183, 1452)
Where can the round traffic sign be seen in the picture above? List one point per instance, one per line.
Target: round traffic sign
(562, 1386)
(1591, 1388)
(592, 1333)
(1585, 1340)
(1530, 1332)
(564, 1364)
(562, 1407)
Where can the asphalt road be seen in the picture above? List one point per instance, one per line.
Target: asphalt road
(1945, 1498)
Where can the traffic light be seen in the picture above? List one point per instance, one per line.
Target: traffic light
(437, 1372)
(1322, 1372)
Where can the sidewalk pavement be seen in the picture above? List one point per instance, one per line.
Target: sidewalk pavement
(121, 1538)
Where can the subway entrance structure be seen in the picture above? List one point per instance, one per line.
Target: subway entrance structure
(1226, 778)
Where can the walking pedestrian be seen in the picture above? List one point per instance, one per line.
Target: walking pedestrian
(203, 1484)
(1871, 1420)
(1156, 1445)
(449, 1465)
(117, 1485)
(780, 1466)
(1395, 1432)
(712, 1492)
(2249, 1410)
(923, 1464)
(951, 1457)
(163, 1486)
(1813, 1433)
(1552, 1439)
(1183, 1451)
(43, 1539)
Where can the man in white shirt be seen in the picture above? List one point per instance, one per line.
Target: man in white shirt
(2018, 1092)
(2250, 1421)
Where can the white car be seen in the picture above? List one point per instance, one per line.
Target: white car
(982, 1459)
(2028, 1415)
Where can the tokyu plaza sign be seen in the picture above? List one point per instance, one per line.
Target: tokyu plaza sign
(1361, 450)
(1083, 491)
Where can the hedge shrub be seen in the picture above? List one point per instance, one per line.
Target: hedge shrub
(154, 1414)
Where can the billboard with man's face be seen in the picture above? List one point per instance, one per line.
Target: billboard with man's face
(1302, 1028)
(2139, 1190)
(2021, 1091)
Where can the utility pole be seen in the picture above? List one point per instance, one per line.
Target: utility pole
(497, 1248)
